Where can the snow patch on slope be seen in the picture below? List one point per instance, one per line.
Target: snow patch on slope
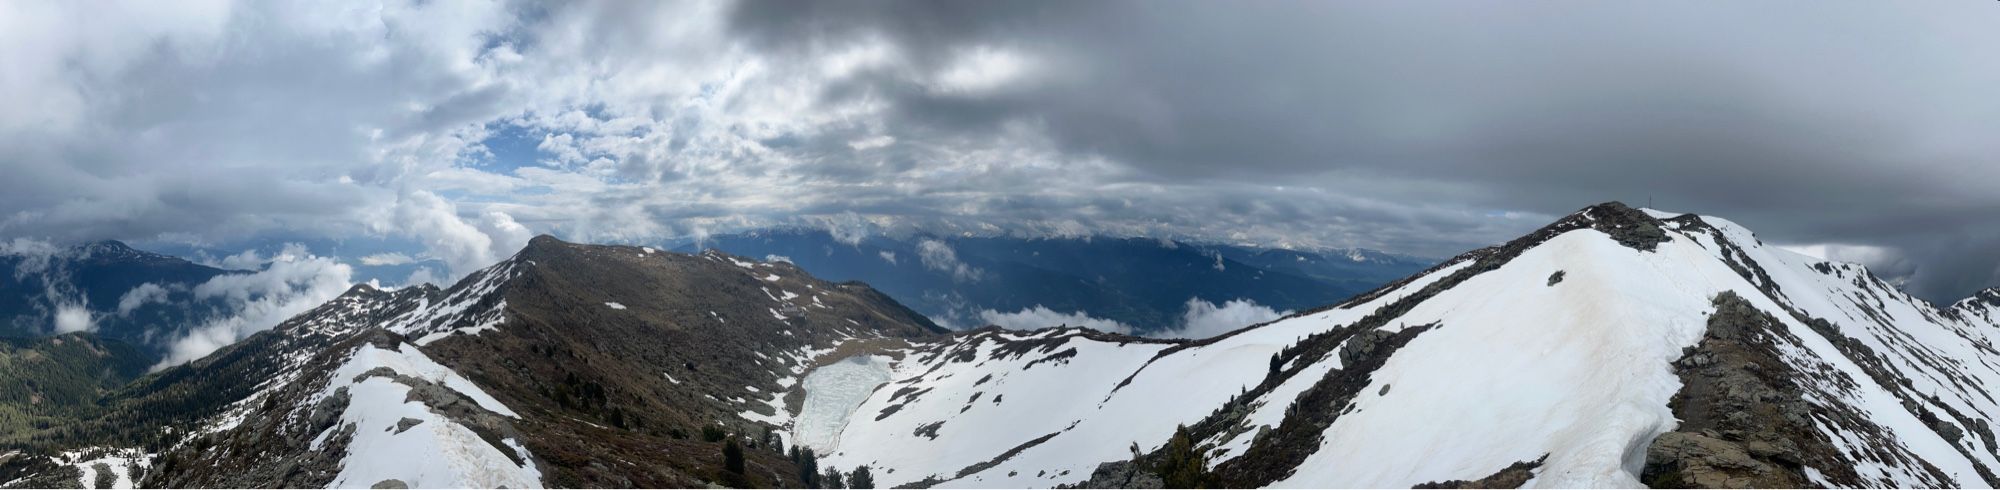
(472, 307)
(120, 462)
(833, 392)
(437, 452)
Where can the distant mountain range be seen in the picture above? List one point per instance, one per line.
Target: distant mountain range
(1143, 284)
(120, 293)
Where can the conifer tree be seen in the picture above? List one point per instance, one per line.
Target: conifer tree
(732, 456)
(861, 478)
(809, 468)
(1182, 465)
(832, 479)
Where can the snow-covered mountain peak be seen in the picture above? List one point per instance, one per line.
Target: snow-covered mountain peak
(1989, 296)
(1984, 305)
(1614, 347)
(110, 249)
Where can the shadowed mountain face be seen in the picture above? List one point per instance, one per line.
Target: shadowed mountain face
(1142, 283)
(96, 283)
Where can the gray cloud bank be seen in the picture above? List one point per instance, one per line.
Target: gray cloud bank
(1860, 129)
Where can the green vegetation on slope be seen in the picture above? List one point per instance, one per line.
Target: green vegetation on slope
(52, 381)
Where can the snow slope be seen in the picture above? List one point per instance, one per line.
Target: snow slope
(833, 392)
(1517, 363)
(399, 437)
(120, 462)
(395, 414)
(1079, 399)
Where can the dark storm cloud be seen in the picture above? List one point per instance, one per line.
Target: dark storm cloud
(1843, 123)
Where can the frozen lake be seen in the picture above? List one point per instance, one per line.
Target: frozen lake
(832, 393)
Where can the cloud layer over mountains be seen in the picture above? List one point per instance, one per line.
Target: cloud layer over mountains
(1858, 130)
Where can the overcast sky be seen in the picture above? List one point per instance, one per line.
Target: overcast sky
(1862, 131)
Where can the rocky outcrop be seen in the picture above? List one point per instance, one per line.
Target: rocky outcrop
(1122, 474)
(1513, 476)
(1362, 345)
(1691, 460)
(1745, 422)
(1630, 227)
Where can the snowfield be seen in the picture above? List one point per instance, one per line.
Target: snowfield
(1079, 401)
(435, 452)
(833, 392)
(1578, 371)
(1519, 367)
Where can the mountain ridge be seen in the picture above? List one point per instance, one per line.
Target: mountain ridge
(1333, 361)
(544, 379)
(1613, 347)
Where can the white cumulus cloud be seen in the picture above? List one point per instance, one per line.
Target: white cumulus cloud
(938, 256)
(291, 283)
(390, 258)
(1203, 319)
(73, 317)
(465, 245)
(140, 296)
(1042, 317)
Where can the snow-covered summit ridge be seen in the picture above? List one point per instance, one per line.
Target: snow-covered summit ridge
(1985, 304)
(1587, 353)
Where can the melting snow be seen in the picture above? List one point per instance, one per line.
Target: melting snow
(119, 461)
(833, 392)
